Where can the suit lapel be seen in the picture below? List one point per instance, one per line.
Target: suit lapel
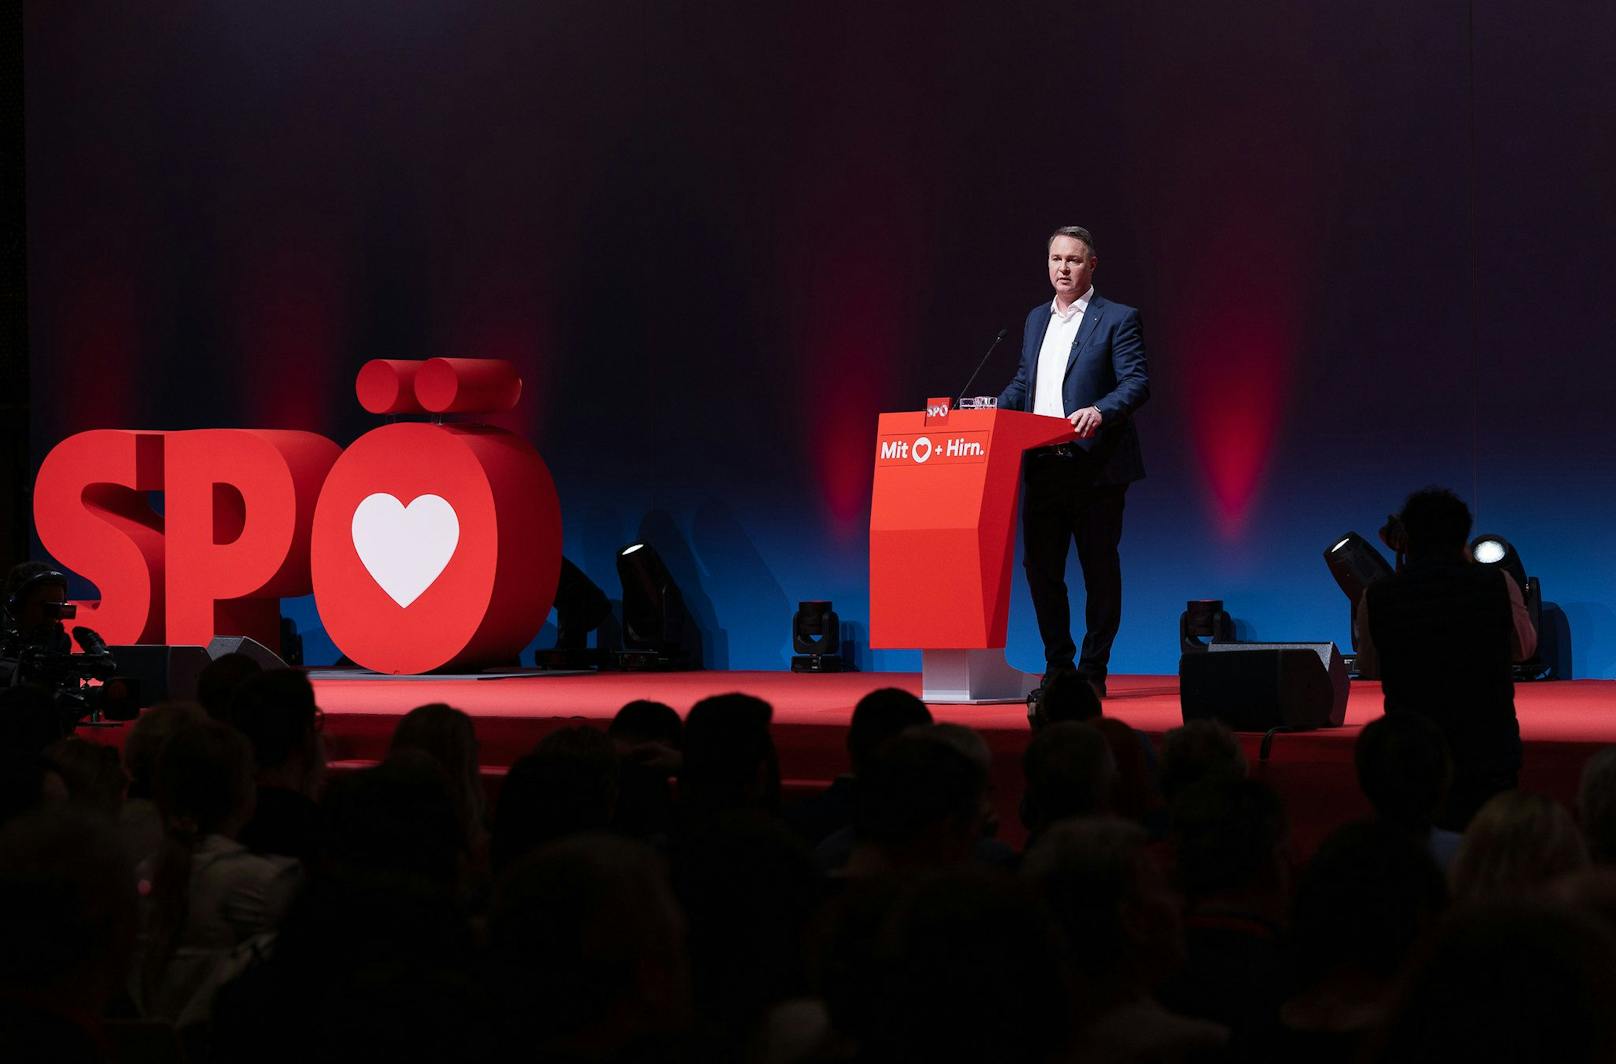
(1091, 321)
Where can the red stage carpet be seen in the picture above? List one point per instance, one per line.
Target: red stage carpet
(1561, 723)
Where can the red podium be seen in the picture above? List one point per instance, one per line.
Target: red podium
(942, 522)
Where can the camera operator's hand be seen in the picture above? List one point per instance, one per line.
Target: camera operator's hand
(1394, 535)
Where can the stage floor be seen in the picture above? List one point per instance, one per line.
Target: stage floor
(1562, 723)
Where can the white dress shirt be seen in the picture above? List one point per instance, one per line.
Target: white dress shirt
(1054, 354)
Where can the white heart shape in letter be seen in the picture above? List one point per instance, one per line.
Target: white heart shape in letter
(405, 548)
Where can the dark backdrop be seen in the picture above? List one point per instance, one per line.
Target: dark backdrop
(1371, 243)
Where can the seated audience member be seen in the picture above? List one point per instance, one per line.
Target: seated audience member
(749, 888)
(1404, 771)
(277, 713)
(1232, 847)
(29, 722)
(28, 785)
(1367, 899)
(216, 684)
(729, 758)
(67, 927)
(920, 807)
(208, 893)
(969, 742)
(650, 740)
(566, 786)
(1517, 842)
(877, 717)
(375, 960)
(1068, 696)
(1512, 980)
(587, 957)
(93, 774)
(1444, 632)
(968, 968)
(1593, 891)
(1135, 795)
(1596, 806)
(449, 737)
(139, 820)
(1069, 771)
(1122, 935)
(645, 722)
(1197, 751)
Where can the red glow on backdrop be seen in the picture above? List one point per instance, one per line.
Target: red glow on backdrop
(860, 220)
(100, 337)
(291, 330)
(1237, 377)
(851, 349)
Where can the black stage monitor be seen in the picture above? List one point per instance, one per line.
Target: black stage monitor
(161, 673)
(1259, 686)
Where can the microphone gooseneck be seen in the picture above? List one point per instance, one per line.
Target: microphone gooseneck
(994, 346)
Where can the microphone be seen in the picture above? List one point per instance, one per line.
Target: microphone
(95, 649)
(90, 641)
(994, 346)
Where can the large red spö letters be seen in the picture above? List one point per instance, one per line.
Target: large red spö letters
(426, 546)
(436, 545)
(91, 513)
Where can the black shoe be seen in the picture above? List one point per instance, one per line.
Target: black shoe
(1054, 671)
(1097, 684)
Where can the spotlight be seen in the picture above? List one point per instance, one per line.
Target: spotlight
(816, 636)
(657, 631)
(1496, 552)
(1203, 618)
(1355, 564)
(581, 607)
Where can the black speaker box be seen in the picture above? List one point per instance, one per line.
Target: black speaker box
(161, 673)
(1260, 686)
(240, 644)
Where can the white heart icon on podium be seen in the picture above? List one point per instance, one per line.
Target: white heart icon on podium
(405, 548)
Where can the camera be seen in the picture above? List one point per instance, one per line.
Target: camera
(35, 650)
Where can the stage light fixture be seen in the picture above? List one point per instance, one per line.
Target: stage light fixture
(816, 636)
(1203, 619)
(581, 607)
(1355, 564)
(1499, 553)
(1496, 552)
(657, 630)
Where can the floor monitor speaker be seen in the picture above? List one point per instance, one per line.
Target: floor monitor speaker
(240, 644)
(161, 673)
(1260, 686)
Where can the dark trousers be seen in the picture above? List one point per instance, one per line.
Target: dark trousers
(1061, 504)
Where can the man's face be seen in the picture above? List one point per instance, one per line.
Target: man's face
(35, 617)
(1071, 267)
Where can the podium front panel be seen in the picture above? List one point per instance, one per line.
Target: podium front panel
(942, 525)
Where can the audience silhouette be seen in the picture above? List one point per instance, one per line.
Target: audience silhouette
(643, 893)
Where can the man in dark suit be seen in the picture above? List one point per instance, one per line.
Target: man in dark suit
(1082, 358)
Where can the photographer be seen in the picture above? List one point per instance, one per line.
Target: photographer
(1444, 632)
(35, 606)
(35, 648)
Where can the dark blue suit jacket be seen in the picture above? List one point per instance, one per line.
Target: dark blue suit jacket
(1105, 370)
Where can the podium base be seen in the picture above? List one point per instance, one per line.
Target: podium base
(971, 677)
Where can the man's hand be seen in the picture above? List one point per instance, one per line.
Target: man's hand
(1086, 422)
